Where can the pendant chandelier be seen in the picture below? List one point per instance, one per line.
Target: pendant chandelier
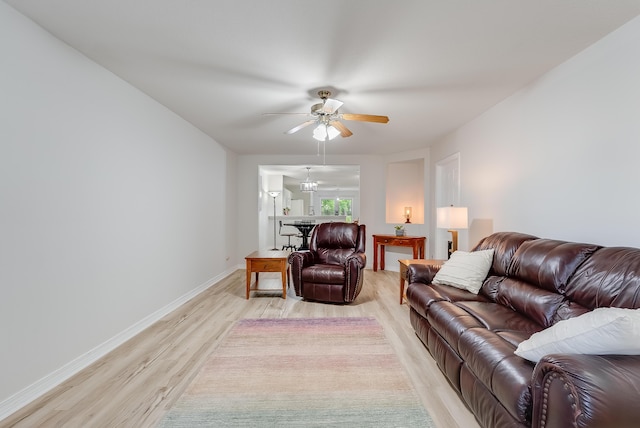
(308, 185)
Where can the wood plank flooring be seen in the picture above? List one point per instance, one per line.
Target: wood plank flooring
(135, 385)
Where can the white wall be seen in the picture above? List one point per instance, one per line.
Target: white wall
(109, 206)
(560, 159)
(405, 188)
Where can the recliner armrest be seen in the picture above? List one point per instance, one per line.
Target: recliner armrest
(586, 390)
(301, 258)
(359, 259)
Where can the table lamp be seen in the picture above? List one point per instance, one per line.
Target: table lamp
(452, 218)
(407, 214)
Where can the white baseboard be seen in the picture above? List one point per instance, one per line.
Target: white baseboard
(50, 381)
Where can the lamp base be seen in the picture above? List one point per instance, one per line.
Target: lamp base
(408, 221)
(454, 241)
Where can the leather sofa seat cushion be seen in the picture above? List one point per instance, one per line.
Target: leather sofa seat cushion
(497, 317)
(423, 296)
(514, 337)
(450, 321)
(324, 274)
(455, 294)
(492, 361)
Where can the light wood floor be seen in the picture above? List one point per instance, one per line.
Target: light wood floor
(134, 385)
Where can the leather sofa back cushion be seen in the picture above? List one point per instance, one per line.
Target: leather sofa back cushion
(547, 263)
(535, 303)
(505, 245)
(611, 277)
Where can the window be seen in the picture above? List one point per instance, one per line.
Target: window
(337, 207)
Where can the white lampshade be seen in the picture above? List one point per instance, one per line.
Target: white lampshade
(332, 132)
(320, 133)
(452, 218)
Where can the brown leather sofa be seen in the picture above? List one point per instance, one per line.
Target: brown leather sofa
(533, 283)
(332, 270)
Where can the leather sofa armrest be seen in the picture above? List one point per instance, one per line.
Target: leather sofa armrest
(586, 391)
(421, 273)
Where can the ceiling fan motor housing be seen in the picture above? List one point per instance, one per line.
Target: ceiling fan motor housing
(316, 108)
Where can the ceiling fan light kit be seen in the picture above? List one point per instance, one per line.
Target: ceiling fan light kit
(324, 132)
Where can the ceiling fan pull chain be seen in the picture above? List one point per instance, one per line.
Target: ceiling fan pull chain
(324, 153)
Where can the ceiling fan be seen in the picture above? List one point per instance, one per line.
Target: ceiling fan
(327, 118)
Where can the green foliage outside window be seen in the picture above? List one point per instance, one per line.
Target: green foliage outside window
(328, 206)
(343, 207)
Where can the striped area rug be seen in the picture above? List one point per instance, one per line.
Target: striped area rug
(312, 372)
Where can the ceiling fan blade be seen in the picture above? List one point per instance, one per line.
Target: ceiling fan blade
(299, 127)
(344, 131)
(331, 106)
(365, 117)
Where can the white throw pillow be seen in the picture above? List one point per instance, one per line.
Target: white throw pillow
(599, 332)
(465, 270)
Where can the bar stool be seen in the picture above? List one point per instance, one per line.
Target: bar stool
(288, 235)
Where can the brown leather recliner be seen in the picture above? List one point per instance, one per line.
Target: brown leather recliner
(333, 268)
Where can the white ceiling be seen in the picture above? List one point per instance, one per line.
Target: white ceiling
(430, 65)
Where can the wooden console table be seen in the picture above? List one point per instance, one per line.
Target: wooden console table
(415, 242)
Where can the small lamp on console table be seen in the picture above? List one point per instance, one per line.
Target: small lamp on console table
(407, 214)
(274, 194)
(452, 218)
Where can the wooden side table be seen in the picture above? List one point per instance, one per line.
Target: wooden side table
(415, 242)
(268, 261)
(404, 264)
